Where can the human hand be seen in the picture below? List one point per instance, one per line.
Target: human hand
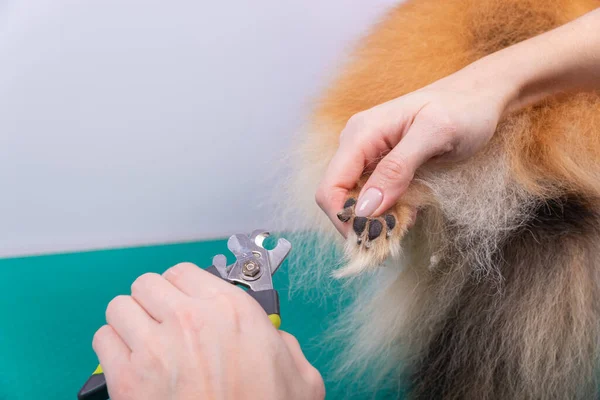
(447, 121)
(189, 335)
(451, 119)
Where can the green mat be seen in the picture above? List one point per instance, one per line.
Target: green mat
(52, 305)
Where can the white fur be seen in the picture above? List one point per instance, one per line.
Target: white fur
(396, 296)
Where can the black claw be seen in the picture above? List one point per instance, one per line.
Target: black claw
(375, 228)
(349, 203)
(359, 225)
(390, 221)
(345, 215)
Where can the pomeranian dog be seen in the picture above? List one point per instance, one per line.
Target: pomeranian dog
(494, 292)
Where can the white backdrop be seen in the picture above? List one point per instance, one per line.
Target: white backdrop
(127, 122)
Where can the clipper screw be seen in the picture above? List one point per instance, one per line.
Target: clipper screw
(250, 269)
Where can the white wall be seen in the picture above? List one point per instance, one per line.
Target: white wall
(127, 122)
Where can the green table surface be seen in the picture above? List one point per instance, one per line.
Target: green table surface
(52, 305)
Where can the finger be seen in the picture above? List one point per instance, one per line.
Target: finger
(295, 350)
(363, 142)
(195, 282)
(131, 322)
(157, 296)
(341, 176)
(310, 373)
(111, 350)
(395, 171)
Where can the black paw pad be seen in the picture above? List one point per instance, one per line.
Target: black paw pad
(375, 228)
(390, 222)
(359, 225)
(348, 211)
(345, 215)
(349, 203)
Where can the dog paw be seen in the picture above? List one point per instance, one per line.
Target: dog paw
(367, 230)
(372, 240)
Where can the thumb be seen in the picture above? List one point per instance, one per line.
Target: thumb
(395, 171)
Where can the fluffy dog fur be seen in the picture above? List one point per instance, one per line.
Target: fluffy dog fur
(494, 293)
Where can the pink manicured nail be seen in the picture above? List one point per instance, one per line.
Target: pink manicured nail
(368, 202)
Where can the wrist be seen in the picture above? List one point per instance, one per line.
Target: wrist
(492, 81)
(511, 77)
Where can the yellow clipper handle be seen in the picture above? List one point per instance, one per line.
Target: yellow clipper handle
(275, 320)
(269, 301)
(95, 387)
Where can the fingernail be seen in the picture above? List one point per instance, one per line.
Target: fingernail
(368, 202)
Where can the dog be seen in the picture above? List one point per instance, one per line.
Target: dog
(494, 291)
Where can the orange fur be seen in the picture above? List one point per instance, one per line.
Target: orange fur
(555, 145)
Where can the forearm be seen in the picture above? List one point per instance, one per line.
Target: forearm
(566, 59)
